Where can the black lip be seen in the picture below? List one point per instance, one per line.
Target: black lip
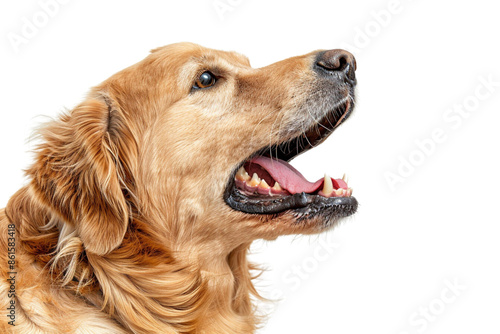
(300, 202)
(340, 206)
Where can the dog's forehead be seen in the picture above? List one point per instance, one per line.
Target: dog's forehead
(190, 52)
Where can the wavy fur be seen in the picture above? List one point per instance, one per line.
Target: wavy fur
(122, 227)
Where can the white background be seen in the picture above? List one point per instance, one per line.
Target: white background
(388, 269)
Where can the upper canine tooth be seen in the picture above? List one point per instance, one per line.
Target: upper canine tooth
(327, 186)
(255, 181)
(242, 174)
(263, 184)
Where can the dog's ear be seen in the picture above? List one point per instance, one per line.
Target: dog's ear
(79, 172)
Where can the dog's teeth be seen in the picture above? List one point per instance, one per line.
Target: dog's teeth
(344, 178)
(277, 187)
(263, 185)
(264, 188)
(327, 186)
(339, 192)
(242, 174)
(255, 181)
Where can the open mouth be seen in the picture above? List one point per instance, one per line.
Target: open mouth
(265, 183)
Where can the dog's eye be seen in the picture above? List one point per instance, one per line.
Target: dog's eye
(205, 80)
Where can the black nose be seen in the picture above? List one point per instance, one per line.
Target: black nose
(338, 62)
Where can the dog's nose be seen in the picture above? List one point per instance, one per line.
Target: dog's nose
(337, 61)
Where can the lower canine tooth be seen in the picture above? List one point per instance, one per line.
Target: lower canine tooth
(327, 186)
(255, 181)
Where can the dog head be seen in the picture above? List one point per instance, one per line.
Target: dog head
(196, 143)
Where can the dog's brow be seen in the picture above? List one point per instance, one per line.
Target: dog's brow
(229, 61)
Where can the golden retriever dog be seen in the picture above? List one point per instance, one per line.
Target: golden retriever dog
(142, 201)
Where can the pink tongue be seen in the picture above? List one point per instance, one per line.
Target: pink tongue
(289, 178)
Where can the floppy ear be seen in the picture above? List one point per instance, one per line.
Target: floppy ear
(79, 175)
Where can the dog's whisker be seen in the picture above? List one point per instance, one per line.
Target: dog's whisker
(279, 117)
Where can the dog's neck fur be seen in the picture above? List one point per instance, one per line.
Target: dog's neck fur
(159, 292)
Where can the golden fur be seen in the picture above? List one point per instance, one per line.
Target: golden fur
(122, 227)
